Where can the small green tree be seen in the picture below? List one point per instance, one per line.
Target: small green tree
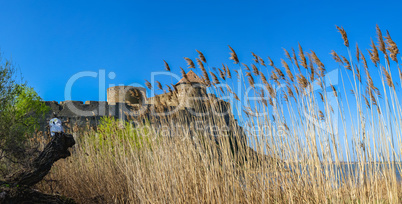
(21, 110)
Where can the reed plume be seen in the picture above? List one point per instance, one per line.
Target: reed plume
(318, 62)
(295, 59)
(263, 78)
(237, 73)
(344, 36)
(358, 75)
(303, 60)
(221, 89)
(366, 101)
(199, 63)
(271, 63)
(228, 73)
(280, 73)
(221, 74)
(214, 78)
(370, 82)
(175, 88)
(392, 47)
(262, 62)
(271, 102)
(159, 85)
(169, 88)
(201, 56)
(224, 69)
(320, 115)
(347, 63)
(183, 74)
(271, 90)
(190, 63)
(334, 90)
(285, 97)
(374, 53)
(381, 44)
(255, 70)
(287, 69)
(311, 66)
(336, 57)
(302, 81)
(233, 55)
(357, 53)
(388, 77)
(321, 96)
(274, 76)
(372, 97)
(287, 55)
(251, 80)
(205, 76)
(290, 92)
(364, 60)
(167, 68)
(295, 87)
(255, 58)
(149, 85)
(235, 96)
(263, 100)
(245, 66)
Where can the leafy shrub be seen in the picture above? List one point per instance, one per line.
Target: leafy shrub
(21, 110)
(112, 133)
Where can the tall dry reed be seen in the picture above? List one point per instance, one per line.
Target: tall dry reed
(340, 144)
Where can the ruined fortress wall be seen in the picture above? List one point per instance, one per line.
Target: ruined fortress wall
(73, 120)
(166, 99)
(126, 101)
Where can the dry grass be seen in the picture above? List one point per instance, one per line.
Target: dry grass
(311, 159)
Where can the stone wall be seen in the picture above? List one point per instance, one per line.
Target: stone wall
(127, 102)
(126, 94)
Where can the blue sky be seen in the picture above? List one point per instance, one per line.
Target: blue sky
(50, 41)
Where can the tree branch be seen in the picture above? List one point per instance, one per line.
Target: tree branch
(17, 186)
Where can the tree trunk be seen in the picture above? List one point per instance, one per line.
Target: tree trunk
(16, 188)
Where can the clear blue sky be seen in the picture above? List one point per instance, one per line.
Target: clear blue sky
(52, 40)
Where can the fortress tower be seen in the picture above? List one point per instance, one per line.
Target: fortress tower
(189, 88)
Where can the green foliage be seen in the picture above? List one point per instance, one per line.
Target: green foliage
(112, 133)
(28, 108)
(21, 110)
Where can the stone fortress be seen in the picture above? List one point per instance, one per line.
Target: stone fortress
(187, 97)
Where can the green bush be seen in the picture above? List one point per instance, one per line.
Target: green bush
(21, 110)
(112, 132)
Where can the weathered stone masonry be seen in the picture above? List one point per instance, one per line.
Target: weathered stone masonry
(124, 100)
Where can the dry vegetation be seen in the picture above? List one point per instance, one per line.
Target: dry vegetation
(125, 164)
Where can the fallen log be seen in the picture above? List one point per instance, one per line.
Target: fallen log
(16, 188)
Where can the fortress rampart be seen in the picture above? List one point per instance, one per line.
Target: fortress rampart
(189, 96)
